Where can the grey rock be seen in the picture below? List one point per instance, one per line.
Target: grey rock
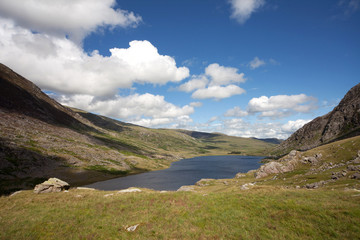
(293, 153)
(186, 189)
(355, 176)
(240, 175)
(51, 185)
(315, 185)
(353, 168)
(204, 182)
(337, 175)
(311, 160)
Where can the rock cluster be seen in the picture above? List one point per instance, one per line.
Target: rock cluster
(286, 164)
(204, 182)
(51, 185)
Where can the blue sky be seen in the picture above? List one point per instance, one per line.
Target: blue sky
(252, 68)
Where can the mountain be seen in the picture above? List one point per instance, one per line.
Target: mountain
(40, 138)
(342, 122)
(270, 140)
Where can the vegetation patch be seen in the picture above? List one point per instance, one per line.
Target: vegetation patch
(103, 169)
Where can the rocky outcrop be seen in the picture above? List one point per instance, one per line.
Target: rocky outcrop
(342, 122)
(286, 164)
(51, 185)
(204, 182)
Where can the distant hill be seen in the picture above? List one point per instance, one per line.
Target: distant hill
(270, 140)
(342, 122)
(40, 138)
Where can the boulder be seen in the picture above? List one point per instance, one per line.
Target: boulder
(240, 175)
(51, 185)
(130, 190)
(186, 189)
(355, 176)
(204, 182)
(353, 168)
(273, 167)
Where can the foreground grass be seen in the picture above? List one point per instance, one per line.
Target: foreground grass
(264, 213)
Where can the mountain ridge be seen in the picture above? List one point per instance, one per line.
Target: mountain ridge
(342, 122)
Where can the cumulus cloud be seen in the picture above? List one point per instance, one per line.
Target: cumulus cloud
(218, 92)
(221, 75)
(196, 82)
(240, 127)
(275, 107)
(256, 62)
(236, 112)
(147, 109)
(281, 105)
(217, 82)
(292, 126)
(75, 18)
(59, 65)
(242, 9)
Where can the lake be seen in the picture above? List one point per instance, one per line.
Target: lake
(184, 172)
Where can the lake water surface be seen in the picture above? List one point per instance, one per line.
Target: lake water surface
(184, 172)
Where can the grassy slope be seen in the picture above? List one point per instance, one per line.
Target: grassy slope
(178, 143)
(264, 213)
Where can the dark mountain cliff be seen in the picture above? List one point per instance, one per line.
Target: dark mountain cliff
(342, 122)
(18, 94)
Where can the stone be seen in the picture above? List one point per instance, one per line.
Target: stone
(132, 228)
(293, 153)
(185, 189)
(355, 176)
(337, 175)
(85, 188)
(353, 168)
(204, 182)
(311, 160)
(317, 184)
(130, 190)
(240, 175)
(273, 167)
(51, 185)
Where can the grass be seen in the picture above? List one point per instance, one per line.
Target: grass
(266, 213)
(106, 170)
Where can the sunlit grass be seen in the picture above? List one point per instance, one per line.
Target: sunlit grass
(269, 213)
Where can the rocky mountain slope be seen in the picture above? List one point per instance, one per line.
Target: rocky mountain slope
(40, 138)
(342, 122)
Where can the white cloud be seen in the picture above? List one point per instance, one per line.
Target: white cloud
(292, 126)
(221, 75)
(236, 112)
(256, 62)
(218, 92)
(242, 128)
(196, 82)
(281, 105)
(242, 9)
(196, 104)
(146, 109)
(275, 107)
(217, 82)
(75, 18)
(59, 65)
